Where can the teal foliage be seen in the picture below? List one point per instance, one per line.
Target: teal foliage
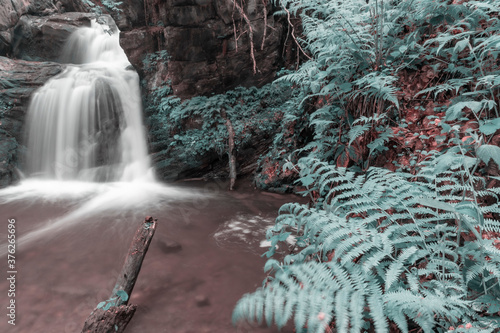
(194, 128)
(113, 6)
(291, 135)
(356, 51)
(110, 6)
(468, 44)
(353, 51)
(151, 60)
(386, 242)
(376, 249)
(95, 8)
(120, 298)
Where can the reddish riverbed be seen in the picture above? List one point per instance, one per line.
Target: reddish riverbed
(65, 270)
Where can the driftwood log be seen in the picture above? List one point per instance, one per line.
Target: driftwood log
(113, 315)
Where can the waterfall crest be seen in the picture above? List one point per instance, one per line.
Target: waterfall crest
(86, 123)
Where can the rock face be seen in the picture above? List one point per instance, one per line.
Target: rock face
(11, 12)
(212, 45)
(18, 81)
(200, 47)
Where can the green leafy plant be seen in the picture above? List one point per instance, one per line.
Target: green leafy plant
(363, 54)
(120, 298)
(353, 47)
(113, 6)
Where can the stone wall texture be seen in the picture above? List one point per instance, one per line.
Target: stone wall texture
(208, 43)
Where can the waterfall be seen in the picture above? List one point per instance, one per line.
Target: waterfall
(86, 160)
(86, 123)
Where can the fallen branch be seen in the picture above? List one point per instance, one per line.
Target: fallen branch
(113, 315)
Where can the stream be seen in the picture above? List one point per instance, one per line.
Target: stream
(204, 255)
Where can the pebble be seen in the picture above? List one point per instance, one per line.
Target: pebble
(202, 300)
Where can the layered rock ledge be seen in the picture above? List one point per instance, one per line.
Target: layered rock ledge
(18, 81)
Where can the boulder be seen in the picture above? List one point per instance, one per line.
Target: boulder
(18, 81)
(5, 42)
(199, 47)
(136, 44)
(126, 13)
(131, 14)
(42, 38)
(42, 7)
(11, 12)
(8, 152)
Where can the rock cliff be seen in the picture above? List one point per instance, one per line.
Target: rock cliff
(198, 47)
(211, 45)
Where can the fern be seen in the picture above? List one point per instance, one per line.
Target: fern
(383, 248)
(352, 46)
(380, 241)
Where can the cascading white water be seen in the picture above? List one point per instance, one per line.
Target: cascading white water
(86, 124)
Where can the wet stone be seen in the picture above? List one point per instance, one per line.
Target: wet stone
(170, 246)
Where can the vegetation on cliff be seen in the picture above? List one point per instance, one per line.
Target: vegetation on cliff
(401, 233)
(186, 131)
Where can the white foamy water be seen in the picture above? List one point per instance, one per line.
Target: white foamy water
(247, 232)
(86, 202)
(97, 43)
